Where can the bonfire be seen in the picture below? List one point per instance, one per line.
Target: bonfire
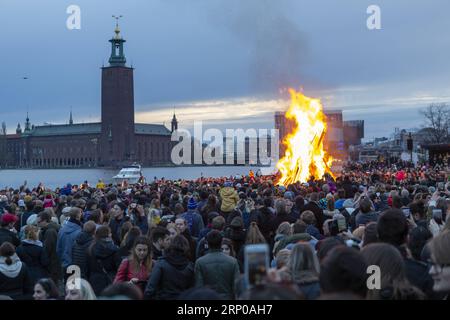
(305, 157)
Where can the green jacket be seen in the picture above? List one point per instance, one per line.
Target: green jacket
(291, 239)
(218, 271)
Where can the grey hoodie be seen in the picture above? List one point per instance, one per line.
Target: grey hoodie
(12, 270)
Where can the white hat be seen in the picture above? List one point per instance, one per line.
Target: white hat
(66, 211)
(21, 203)
(32, 220)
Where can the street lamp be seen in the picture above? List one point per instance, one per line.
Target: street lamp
(410, 145)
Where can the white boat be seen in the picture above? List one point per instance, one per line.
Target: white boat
(130, 174)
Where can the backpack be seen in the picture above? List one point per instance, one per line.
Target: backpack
(245, 215)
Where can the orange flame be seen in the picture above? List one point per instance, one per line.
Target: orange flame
(304, 157)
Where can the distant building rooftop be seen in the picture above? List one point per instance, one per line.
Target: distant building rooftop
(12, 136)
(93, 128)
(66, 129)
(156, 129)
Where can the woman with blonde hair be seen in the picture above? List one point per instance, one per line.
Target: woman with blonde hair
(31, 252)
(303, 269)
(84, 292)
(172, 230)
(254, 236)
(154, 214)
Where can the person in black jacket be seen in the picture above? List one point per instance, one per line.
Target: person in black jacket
(117, 220)
(82, 243)
(218, 223)
(299, 202)
(25, 215)
(318, 212)
(33, 254)
(102, 260)
(7, 225)
(173, 273)
(348, 187)
(282, 214)
(264, 219)
(237, 234)
(15, 281)
(393, 228)
(48, 235)
(126, 247)
(183, 229)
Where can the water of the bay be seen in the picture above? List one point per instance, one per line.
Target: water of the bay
(53, 178)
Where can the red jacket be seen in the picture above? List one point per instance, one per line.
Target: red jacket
(126, 272)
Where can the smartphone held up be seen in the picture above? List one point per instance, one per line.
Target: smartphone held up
(256, 264)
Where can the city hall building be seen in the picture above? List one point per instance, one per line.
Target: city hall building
(115, 141)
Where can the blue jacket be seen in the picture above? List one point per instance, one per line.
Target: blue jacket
(310, 290)
(66, 238)
(339, 203)
(140, 222)
(67, 190)
(314, 232)
(194, 221)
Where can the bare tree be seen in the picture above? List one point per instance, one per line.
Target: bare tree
(437, 120)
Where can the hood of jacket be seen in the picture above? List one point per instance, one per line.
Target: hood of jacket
(84, 238)
(227, 192)
(179, 261)
(237, 222)
(51, 225)
(32, 242)
(70, 227)
(279, 237)
(105, 248)
(12, 270)
(267, 211)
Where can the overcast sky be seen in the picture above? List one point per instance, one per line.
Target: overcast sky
(227, 62)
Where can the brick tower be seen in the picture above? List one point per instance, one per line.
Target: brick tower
(117, 140)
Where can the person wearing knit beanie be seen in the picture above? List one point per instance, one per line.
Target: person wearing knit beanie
(192, 204)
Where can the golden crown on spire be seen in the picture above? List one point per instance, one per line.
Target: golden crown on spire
(117, 29)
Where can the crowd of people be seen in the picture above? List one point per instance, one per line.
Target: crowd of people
(186, 239)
